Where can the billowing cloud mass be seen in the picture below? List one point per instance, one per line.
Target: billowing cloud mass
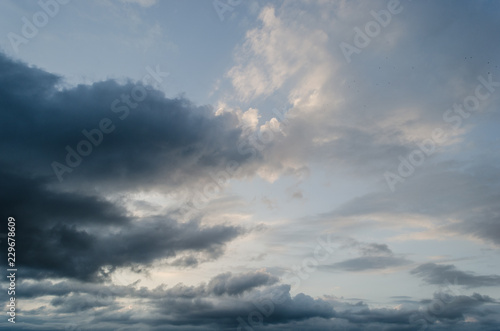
(110, 135)
(195, 307)
(384, 103)
(251, 165)
(97, 234)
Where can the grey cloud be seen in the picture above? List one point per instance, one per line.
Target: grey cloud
(370, 262)
(364, 248)
(376, 249)
(442, 312)
(215, 305)
(224, 313)
(438, 274)
(155, 142)
(374, 256)
(450, 309)
(76, 303)
(67, 251)
(237, 284)
(84, 236)
(69, 229)
(185, 261)
(200, 308)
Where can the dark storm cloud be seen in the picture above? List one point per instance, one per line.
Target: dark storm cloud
(437, 274)
(92, 253)
(137, 137)
(83, 236)
(63, 250)
(30, 199)
(68, 229)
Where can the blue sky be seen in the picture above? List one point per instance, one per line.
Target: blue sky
(178, 165)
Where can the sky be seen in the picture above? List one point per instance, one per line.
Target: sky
(250, 165)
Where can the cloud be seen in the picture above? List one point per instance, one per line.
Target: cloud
(101, 135)
(370, 262)
(213, 305)
(374, 256)
(75, 303)
(257, 301)
(232, 285)
(72, 228)
(438, 274)
(272, 54)
(442, 312)
(360, 117)
(454, 308)
(376, 249)
(86, 237)
(448, 198)
(62, 250)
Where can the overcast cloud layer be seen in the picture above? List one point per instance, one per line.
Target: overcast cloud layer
(307, 165)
